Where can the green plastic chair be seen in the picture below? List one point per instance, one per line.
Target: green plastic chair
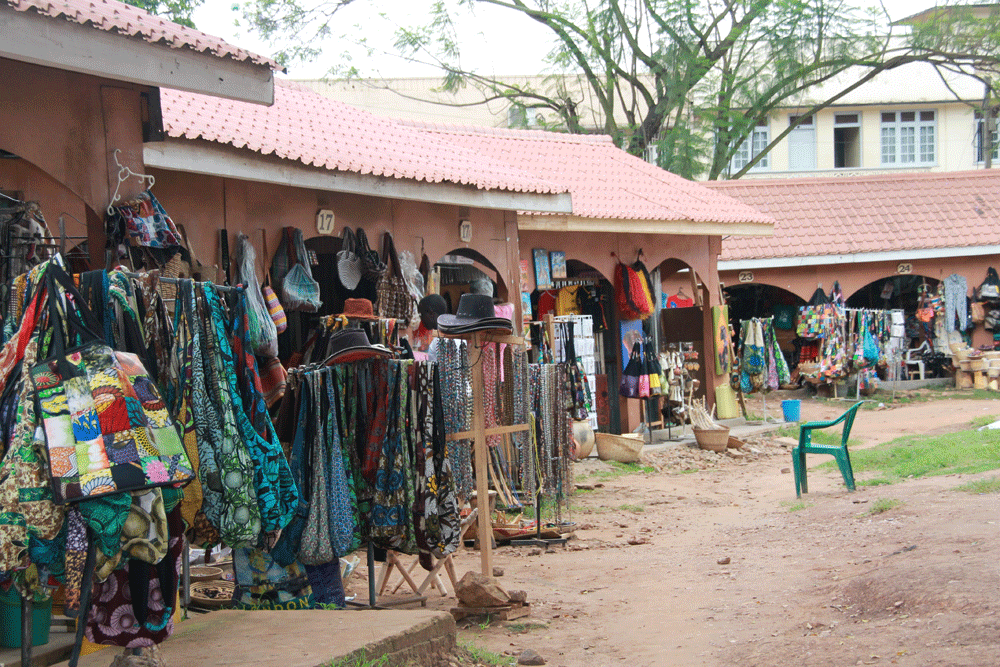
(838, 452)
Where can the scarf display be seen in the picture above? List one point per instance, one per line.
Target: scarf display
(369, 454)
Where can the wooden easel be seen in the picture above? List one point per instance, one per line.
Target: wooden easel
(477, 340)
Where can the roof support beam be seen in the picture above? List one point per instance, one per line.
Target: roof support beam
(856, 258)
(62, 44)
(560, 223)
(203, 157)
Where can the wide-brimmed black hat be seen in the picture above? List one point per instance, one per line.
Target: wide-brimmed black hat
(353, 345)
(475, 313)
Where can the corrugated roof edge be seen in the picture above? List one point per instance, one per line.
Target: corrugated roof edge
(143, 25)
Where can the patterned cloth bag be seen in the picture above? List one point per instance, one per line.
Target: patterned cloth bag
(394, 298)
(107, 428)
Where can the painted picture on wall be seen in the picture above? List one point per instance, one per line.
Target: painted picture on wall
(543, 275)
(525, 265)
(631, 331)
(558, 261)
(723, 344)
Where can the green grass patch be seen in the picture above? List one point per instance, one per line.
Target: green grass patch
(979, 422)
(991, 485)
(919, 456)
(525, 627)
(829, 436)
(482, 656)
(883, 505)
(359, 660)
(795, 505)
(619, 470)
(632, 508)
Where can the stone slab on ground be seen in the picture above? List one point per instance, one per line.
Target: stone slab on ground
(59, 647)
(308, 638)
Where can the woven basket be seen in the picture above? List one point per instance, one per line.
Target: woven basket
(977, 364)
(979, 380)
(212, 594)
(621, 448)
(716, 439)
(734, 443)
(205, 573)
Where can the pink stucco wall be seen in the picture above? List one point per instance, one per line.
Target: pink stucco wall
(68, 125)
(205, 204)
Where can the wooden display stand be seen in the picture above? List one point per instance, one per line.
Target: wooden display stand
(477, 340)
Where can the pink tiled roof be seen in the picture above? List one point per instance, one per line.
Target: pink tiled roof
(118, 17)
(847, 215)
(306, 127)
(605, 182)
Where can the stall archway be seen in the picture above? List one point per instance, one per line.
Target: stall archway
(24, 184)
(892, 292)
(464, 270)
(751, 300)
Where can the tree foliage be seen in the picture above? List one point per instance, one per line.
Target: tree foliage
(178, 11)
(690, 78)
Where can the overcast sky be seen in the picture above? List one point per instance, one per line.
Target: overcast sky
(496, 41)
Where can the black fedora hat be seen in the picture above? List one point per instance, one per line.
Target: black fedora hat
(475, 313)
(353, 345)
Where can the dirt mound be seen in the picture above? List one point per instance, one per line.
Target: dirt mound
(689, 457)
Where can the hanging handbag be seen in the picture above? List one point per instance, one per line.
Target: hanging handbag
(263, 331)
(653, 371)
(784, 317)
(990, 289)
(106, 427)
(348, 263)
(629, 386)
(977, 312)
(372, 265)
(298, 290)
(394, 299)
(274, 309)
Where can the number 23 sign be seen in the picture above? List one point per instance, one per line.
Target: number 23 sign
(746, 276)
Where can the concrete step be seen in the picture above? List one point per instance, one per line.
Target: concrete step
(309, 638)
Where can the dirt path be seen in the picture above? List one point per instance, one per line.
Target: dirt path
(827, 583)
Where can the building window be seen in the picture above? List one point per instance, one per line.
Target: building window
(802, 144)
(847, 140)
(753, 146)
(908, 137)
(994, 138)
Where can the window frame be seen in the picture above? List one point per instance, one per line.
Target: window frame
(978, 137)
(763, 127)
(839, 124)
(898, 143)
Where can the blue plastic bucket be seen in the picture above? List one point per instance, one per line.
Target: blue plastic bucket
(791, 409)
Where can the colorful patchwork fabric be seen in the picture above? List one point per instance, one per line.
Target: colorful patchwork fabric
(147, 223)
(102, 435)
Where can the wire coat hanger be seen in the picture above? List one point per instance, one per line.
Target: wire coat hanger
(123, 175)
